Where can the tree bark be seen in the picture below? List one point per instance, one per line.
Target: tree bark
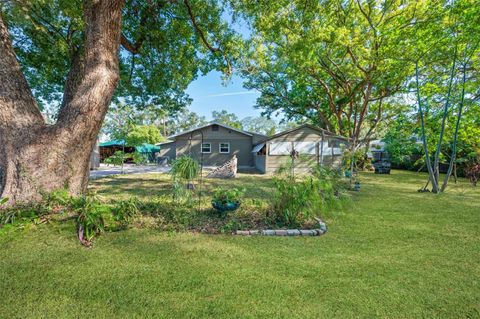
(36, 157)
(431, 172)
(453, 156)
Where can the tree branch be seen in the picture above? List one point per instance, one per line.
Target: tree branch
(198, 29)
(133, 48)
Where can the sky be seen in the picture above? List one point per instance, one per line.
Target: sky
(209, 93)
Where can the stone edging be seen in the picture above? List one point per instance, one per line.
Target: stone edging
(281, 232)
(286, 232)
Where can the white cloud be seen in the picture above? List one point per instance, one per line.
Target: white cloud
(231, 93)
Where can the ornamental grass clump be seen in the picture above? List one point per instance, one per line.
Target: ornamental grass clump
(296, 201)
(184, 171)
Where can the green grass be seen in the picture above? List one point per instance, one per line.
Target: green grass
(394, 253)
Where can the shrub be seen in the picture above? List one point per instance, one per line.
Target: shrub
(90, 222)
(360, 159)
(473, 173)
(225, 196)
(332, 183)
(57, 200)
(139, 158)
(116, 159)
(295, 201)
(124, 211)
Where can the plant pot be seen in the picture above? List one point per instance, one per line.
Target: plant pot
(226, 207)
(356, 186)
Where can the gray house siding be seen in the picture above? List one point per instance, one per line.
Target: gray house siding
(240, 145)
(260, 162)
(167, 150)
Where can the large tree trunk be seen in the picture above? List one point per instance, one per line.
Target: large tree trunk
(35, 157)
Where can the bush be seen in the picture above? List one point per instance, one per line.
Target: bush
(296, 202)
(139, 158)
(116, 159)
(332, 183)
(360, 159)
(57, 200)
(225, 196)
(21, 213)
(124, 211)
(473, 173)
(90, 222)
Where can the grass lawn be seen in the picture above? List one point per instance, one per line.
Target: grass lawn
(393, 253)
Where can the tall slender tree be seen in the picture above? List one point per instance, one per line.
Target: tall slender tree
(449, 47)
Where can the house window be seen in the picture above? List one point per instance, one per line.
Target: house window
(206, 147)
(309, 148)
(214, 127)
(224, 148)
(280, 148)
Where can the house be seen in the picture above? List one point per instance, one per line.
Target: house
(314, 146)
(212, 145)
(215, 143)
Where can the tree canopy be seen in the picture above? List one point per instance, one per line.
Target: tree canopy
(340, 64)
(164, 46)
(226, 118)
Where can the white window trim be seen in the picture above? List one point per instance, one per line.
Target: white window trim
(210, 146)
(220, 147)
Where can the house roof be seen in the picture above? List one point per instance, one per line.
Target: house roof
(210, 124)
(328, 133)
(164, 143)
(112, 143)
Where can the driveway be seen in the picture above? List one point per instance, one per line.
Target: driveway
(104, 170)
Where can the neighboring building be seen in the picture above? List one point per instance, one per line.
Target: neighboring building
(95, 156)
(215, 143)
(107, 149)
(314, 146)
(212, 144)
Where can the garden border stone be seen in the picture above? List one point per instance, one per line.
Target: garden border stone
(286, 232)
(281, 232)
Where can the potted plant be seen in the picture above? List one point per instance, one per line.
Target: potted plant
(225, 200)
